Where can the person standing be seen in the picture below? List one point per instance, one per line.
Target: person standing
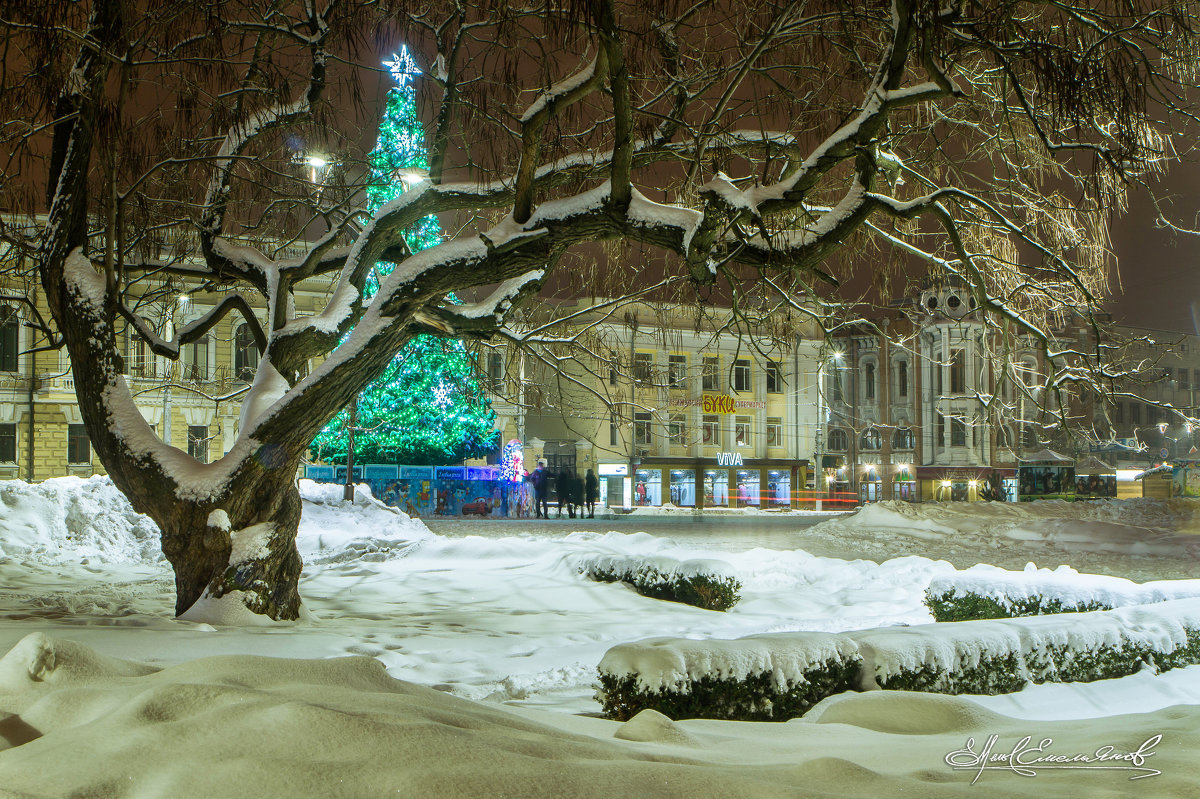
(591, 488)
(562, 489)
(541, 491)
(576, 495)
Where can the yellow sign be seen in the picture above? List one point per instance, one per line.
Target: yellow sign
(718, 403)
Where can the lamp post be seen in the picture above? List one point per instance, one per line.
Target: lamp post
(348, 491)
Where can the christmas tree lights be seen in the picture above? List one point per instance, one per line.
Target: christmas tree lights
(428, 406)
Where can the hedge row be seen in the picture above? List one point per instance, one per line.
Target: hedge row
(763, 678)
(950, 605)
(673, 582)
(990, 593)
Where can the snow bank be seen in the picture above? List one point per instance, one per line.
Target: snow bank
(69, 518)
(73, 520)
(333, 530)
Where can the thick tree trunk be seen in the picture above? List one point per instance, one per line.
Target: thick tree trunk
(243, 546)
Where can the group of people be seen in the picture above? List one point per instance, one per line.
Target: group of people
(570, 489)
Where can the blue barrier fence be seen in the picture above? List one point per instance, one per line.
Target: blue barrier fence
(437, 490)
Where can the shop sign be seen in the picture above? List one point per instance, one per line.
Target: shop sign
(613, 469)
(730, 459)
(718, 403)
(723, 403)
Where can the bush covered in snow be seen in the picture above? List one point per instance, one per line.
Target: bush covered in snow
(759, 678)
(986, 592)
(702, 583)
(949, 605)
(776, 677)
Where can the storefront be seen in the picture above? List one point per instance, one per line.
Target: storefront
(1095, 479)
(1046, 475)
(729, 481)
(952, 483)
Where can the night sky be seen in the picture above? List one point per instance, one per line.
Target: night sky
(1157, 282)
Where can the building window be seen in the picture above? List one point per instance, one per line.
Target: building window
(708, 377)
(641, 428)
(79, 448)
(835, 385)
(10, 333)
(8, 443)
(774, 378)
(1135, 412)
(245, 353)
(139, 358)
(958, 371)
(195, 365)
(642, 363)
(677, 431)
(774, 431)
(198, 442)
(869, 381)
(902, 379)
(838, 440)
(612, 371)
(495, 372)
(902, 438)
(1152, 414)
(741, 431)
(958, 432)
(711, 431)
(677, 371)
(1118, 412)
(1029, 436)
(741, 375)
(614, 428)
(870, 439)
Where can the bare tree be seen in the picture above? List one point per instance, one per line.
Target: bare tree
(754, 143)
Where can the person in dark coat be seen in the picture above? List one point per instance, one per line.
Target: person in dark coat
(576, 495)
(591, 489)
(562, 488)
(541, 491)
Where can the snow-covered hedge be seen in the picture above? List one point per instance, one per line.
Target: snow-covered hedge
(987, 592)
(759, 678)
(776, 677)
(704, 583)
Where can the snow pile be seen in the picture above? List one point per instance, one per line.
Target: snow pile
(1141, 539)
(1065, 585)
(334, 531)
(69, 518)
(73, 519)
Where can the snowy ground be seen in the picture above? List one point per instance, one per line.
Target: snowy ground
(507, 619)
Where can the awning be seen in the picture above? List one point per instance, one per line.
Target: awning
(1045, 456)
(1093, 466)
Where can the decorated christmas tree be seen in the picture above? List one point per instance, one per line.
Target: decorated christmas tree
(428, 407)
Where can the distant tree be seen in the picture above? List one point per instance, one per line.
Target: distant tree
(158, 147)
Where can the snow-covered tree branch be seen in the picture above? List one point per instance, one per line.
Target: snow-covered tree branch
(750, 148)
